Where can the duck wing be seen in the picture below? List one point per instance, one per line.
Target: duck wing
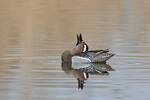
(90, 54)
(86, 54)
(102, 51)
(96, 55)
(102, 56)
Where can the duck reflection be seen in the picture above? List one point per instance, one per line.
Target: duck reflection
(81, 71)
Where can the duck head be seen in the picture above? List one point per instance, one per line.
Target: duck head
(81, 42)
(81, 46)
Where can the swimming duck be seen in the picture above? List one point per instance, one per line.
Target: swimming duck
(81, 53)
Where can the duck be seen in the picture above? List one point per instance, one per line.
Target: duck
(81, 53)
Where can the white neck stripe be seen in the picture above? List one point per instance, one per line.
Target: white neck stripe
(84, 48)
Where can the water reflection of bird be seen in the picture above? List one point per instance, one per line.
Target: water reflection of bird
(80, 53)
(80, 76)
(81, 71)
(93, 68)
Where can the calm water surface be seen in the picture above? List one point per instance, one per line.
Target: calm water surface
(34, 33)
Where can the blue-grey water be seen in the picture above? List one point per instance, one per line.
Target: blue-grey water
(34, 33)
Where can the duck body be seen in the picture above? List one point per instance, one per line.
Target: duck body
(94, 56)
(81, 54)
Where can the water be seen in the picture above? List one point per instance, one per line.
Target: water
(34, 33)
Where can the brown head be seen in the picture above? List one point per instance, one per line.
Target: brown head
(80, 41)
(81, 46)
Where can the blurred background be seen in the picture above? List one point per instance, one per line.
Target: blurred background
(34, 33)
